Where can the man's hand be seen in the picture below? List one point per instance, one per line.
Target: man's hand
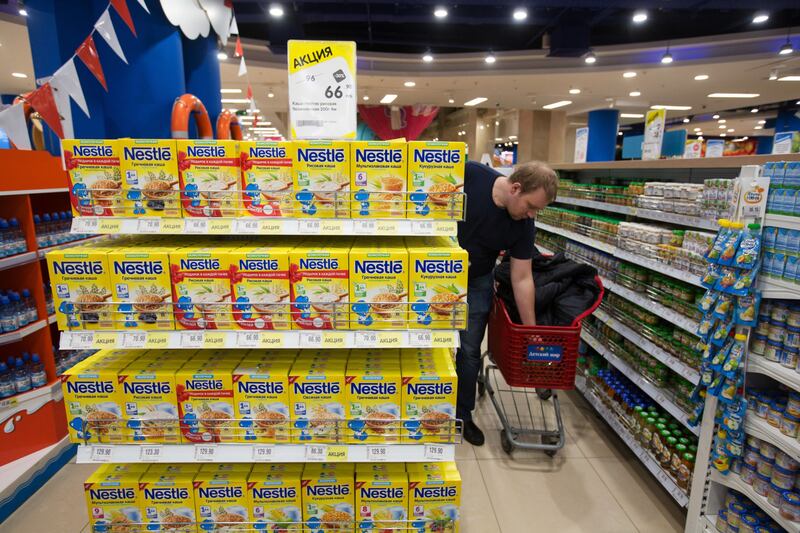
(524, 290)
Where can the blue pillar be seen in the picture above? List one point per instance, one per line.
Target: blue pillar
(787, 120)
(603, 125)
(202, 76)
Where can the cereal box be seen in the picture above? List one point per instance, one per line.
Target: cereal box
(150, 177)
(378, 179)
(266, 178)
(328, 498)
(429, 399)
(93, 400)
(318, 272)
(209, 175)
(260, 277)
(223, 468)
(205, 401)
(95, 180)
(435, 176)
(275, 499)
(113, 501)
(81, 287)
(434, 499)
(378, 286)
(321, 179)
(221, 501)
(151, 410)
(168, 501)
(261, 400)
(381, 500)
(437, 284)
(373, 402)
(140, 280)
(317, 397)
(201, 288)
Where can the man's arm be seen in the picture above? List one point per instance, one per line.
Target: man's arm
(524, 290)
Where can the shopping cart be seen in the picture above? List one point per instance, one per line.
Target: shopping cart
(532, 360)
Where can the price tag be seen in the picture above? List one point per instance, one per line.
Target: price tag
(422, 227)
(366, 339)
(110, 225)
(247, 226)
(134, 339)
(387, 227)
(151, 452)
(271, 339)
(316, 452)
(102, 454)
(308, 227)
(435, 452)
(311, 339)
(148, 225)
(205, 452)
(172, 225)
(334, 339)
(390, 339)
(82, 340)
(332, 227)
(263, 453)
(192, 339)
(336, 454)
(248, 339)
(214, 339)
(364, 227)
(377, 453)
(273, 227)
(195, 225)
(220, 226)
(420, 338)
(157, 339)
(445, 227)
(445, 339)
(85, 225)
(664, 478)
(105, 340)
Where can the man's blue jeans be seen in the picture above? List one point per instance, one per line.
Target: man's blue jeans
(480, 291)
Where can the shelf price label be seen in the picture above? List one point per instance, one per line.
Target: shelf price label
(134, 339)
(195, 225)
(316, 453)
(110, 225)
(435, 452)
(248, 226)
(102, 454)
(377, 453)
(422, 227)
(420, 338)
(172, 225)
(364, 227)
(148, 225)
(311, 339)
(205, 452)
(82, 340)
(248, 339)
(366, 339)
(192, 339)
(264, 453)
(85, 225)
(308, 227)
(151, 452)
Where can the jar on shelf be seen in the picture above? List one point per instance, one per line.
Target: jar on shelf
(762, 410)
(748, 473)
(751, 455)
(792, 339)
(748, 523)
(777, 331)
(789, 425)
(786, 461)
(782, 478)
(793, 404)
(774, 495)
(772, 351)
(758, 343)
(790, 357)
(790, 506)
(775, 414)
(735, 510)
(779, 312)
(768, 450)
(760, 486)
(764, 466)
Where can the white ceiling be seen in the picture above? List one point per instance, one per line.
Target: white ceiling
(15, 56)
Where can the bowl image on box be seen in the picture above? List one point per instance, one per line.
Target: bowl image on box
(150, 177)
(267, 178)
(95, 176)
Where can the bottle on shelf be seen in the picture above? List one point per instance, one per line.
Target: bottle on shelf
(17, 309)
(19, 246)
(48, 298)
(37, 372)
(7, 319)
(38, 229)
(29, 305)
(22, 376)
(6, 382)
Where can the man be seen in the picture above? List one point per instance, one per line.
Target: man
(499, 216)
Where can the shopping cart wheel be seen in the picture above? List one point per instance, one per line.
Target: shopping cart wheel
(551, 440)
(505, 443)
(544, 394)
(481, 386)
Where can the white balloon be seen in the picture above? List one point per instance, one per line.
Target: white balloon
(188, 16)
(220, 16)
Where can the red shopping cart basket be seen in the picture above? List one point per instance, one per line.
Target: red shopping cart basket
(536, 356)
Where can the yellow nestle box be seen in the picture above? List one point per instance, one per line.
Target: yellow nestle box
(382, 500)
(168, 501)
(275, 499)
(319, 284)
(267, 178)
(378, 286)
(93, 400)
(205, 402)
(317, 397)
(150, 402)
(438, 284)
(436, 179)
(221, 468)
(429, 401)
(150, 178)
(378, 179)
(209, 174)
(321, 179)
(260, 281)
(81, 287)
(261, 401)
(373, 404)
(140, 280)
(113, 500)
(328, 498)
(221, 500)
(435, 498)
(95, 180)
(201, 287)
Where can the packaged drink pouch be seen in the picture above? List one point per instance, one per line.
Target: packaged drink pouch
(749, 247)
(720, 357)
(746, 312)
(793, 242)
(733, 361)
(792, 270)
(731, 244)
(745, 281)
(782, 240)
(728, 391)
(724, 307)
(778, 265)
(720, 334)
(711, 276)
(95, 177)
(709, 299)
(267, 178)
(150, 177)
(715, 252)
(790, 201)
(726, 279)
(768, 263)
(791, 176)
(769, 238)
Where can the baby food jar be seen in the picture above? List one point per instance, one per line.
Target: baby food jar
(748, 523)
(789, 357)
(775, 414)
(772, 351)
(793, 404)
(779, 312)
(768, 450)
(774, 495)
(762, 409)
(777, 331)
(790, 506)
(762, 326)
(735, 510)
(751, 456)
(764, 466)
(722, 520)
(789, 425)
(760, 486)
(792, 339)
(793, 316)
(748, 473)
(786, 461)
(758, 344)
(782, 478)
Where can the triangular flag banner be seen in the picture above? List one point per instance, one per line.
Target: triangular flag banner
(234, 27)
(44, 103)
(105, 28)
(12, 121)
(238, 52)
(87, 51)
(242, 68)
(219, 13)
(121, 7)
(255, 120)
(249, 92)
(144, 6)
(65, 84)
(252, 106)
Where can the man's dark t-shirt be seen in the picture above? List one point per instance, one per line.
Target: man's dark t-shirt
(487, 229)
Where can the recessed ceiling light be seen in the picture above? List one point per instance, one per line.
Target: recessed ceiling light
(759, 128)
(276, 11)
(19, 74)
(630, 74)
(762, 121)
(715, 117)
(700, 138)
(451, 101)
(619, 133)
(496, 122)
(475, 101)
(235, 101)
(722, 127)
(666, 59)
(365, 97)
(640, 17)
(440, 13)
(723, 134)
(754, 110)
(270, 94)
(672, 107)
(388, 99)
(490, 59)
(574, 91)
(520, 13)
(631, 115)
(409, 84)
(482, 126)
(230, 91)
(786, 49)
(697, 129)
(701, 77)
(686, 120)
(730, 130)
(498, 139)
(556, 105)
(427, 58)
(590, 58)
(722, 121)
(634, 93)
(789, 78)
(734, 95)
(760, 18)
(222, 56)
(21, 9)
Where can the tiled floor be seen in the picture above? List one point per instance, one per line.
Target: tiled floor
(592, 485)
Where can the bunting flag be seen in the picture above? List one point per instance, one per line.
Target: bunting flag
(105, 28)
(238, 52)
(234, 29)
(242, 68)
(12, 121)
(249, 91)
(43, 101)
(65, 85)
(87, 52)
(121, 7)
(144, 6)
(219, 14)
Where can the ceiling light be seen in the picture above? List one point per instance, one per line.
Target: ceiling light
(697, 129)
(786, 49)
(754, 110)
(672, 107)
(556, 105)
(722, 127)
(230, 91)
(734, 95)
(789, 78)
(715, 117)
(365, 98)
(410, 84)
(731, 129)
(700, 138)
(619, 133)
(496, 122)
(723, 134)
(574, 91)
(686, 120)
(590, 58)
(427, 58)
(520, 13)
(270, 94)
(762, 121)
(440, 13)
(666, 59)
(640, 17)
(19, 74)
(629, 74)
(512, 137)
(222, 56)
(773, 74)
(634, 93)
(451, 101)
(759, 128)
(722, 121)
(631, 115)
(475, 101)
(388, 99)
(498, 139)
(701, 77)
(760, 17)
(235, 101)
(490, 59)
(276, 11)
(482, 126)
(21, 9)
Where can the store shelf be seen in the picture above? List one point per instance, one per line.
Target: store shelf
(657, 352)
(682, 275)
(658, 164)
(758, 427)
(16, 260)
(649, 462)
(787, 376)
(735, 482)
(651, 214)
(782, 221)
(264, 453)
(664, 312)
(82, 340)
(262, 226)
(778, 288)
(709, 524)
(31, 400)
(14, 336)
(52, 319)
(43, 251)
(660, 396)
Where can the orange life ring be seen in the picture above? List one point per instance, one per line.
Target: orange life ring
(37, 130)
(228, 126)
(182, 109)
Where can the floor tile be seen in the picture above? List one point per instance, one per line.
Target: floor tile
(594, 437)
(562, 494)
(477, 515)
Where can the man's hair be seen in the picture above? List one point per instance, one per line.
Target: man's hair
(534, 175)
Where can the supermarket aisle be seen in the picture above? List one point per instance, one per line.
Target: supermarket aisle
(593, 485)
